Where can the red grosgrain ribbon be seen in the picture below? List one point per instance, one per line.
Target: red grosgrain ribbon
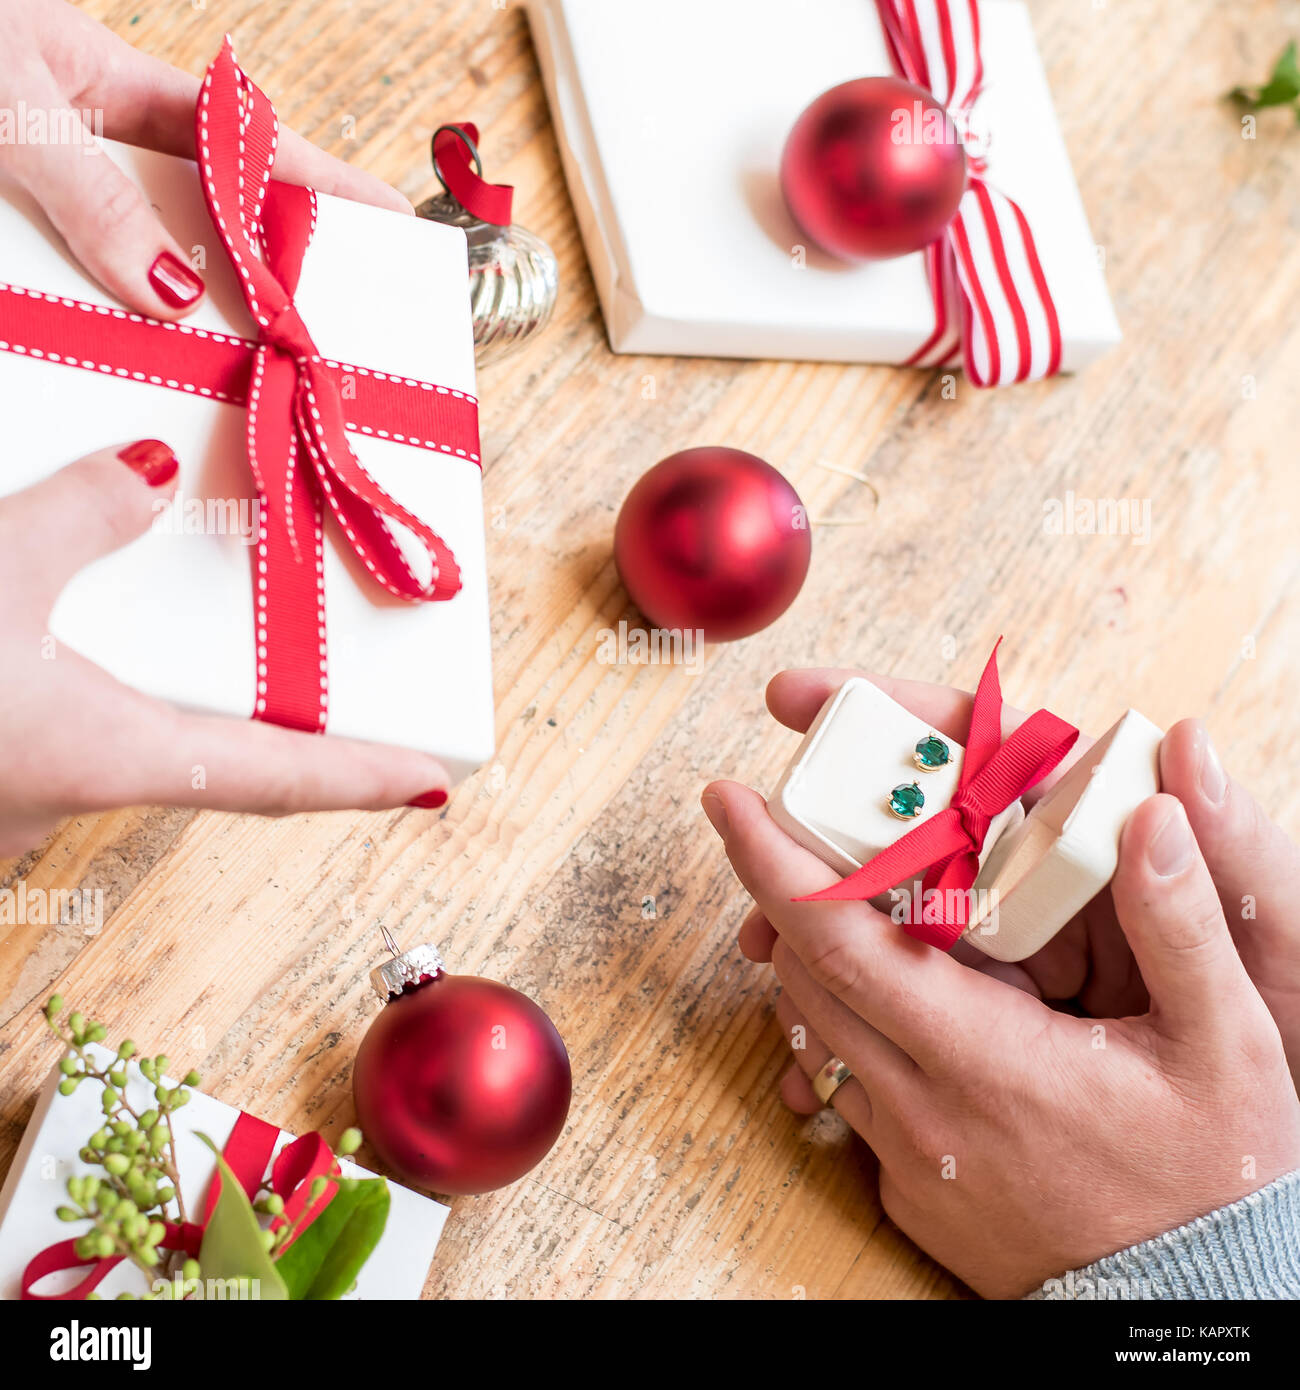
(297, 440)
(947, 846)
(489, 202)
(300, 405)
(179, 356)
(247, 1153)
(1006, 327)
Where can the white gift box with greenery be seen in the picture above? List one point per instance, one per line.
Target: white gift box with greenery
(48, 1156)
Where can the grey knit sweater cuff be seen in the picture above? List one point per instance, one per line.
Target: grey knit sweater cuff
(1250, 1249)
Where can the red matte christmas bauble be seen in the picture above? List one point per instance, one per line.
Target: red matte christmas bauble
(712, 540)
(461, 1084)
(873, 168)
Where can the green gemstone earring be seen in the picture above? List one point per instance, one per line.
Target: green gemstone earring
(931, 753)
(905, 801)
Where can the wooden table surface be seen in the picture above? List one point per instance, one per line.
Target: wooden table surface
(577, 865)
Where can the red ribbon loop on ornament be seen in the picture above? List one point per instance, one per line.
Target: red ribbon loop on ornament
(947, 846)
(1007, 328)
(297, 426)
(489, 202)
(247, 1153)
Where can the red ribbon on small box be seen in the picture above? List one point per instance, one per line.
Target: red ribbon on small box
(299, 416)
(986, 261)
(247, 1152)
(947, 846)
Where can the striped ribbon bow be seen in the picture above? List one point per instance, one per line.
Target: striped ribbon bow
(986, 264)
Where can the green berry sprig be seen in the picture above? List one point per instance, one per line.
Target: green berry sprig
(137, 1189)
(128, 1201)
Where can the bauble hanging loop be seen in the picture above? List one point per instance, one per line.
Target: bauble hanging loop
(513, 274)
(471, 146)
(417, 966)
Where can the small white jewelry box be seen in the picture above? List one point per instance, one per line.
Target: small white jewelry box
(1037, 870)
(833, 798)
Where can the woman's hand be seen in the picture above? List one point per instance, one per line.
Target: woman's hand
(60, 63)
(1015, 1141)
(74, 739)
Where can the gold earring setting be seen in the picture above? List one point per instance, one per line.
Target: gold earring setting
(931, 753)
(906, 801)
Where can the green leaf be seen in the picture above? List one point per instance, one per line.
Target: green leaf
(323, 1263)
(232, 1244)
(1282, 87)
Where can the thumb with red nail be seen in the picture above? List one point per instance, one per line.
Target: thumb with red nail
(74, 739)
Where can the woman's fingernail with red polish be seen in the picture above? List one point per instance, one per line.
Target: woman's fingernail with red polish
(152, 460)
(430, 801)
(174, 281)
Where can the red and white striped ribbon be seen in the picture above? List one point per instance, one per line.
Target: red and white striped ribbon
(992, 302)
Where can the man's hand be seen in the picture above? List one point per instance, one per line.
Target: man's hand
(1017, 1141)
(1088, 963)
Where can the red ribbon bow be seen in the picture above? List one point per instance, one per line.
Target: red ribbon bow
(301, 406)
(297, 440)
(986, 260)
(247, 1152)
(948, 845)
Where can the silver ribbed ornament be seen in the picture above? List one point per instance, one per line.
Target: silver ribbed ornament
(513, 275)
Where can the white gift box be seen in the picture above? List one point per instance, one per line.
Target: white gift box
(671, 124)
(47, 1158)
(1037, 869)
(172, 613)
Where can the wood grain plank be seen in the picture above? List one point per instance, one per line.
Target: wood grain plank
(576, 865)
